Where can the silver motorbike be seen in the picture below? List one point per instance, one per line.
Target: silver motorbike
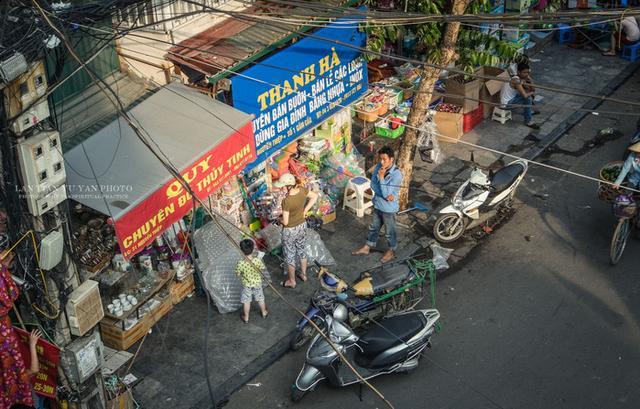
(478, 199)
(395, 345)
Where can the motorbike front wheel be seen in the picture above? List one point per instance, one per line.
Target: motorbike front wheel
(297, 394)
(619, 240)
(449, 228)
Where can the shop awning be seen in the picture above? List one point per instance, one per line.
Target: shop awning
(234, 43)
(114, 173)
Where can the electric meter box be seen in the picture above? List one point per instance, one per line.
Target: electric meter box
(84, 308)
(42, 170)
(82, 358)
(28, 88)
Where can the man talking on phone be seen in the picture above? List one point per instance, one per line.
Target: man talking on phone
(385, 183)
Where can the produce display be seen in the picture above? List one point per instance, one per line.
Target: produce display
(444, 107)
(610, 174)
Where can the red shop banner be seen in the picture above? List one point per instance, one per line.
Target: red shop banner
(141, 225)
(45, 381)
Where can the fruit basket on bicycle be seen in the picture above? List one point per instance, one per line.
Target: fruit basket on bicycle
(609, 173)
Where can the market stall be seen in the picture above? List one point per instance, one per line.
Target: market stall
(302, 123)
(128, 214)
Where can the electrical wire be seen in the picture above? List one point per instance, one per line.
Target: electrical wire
(597, 112)
(557, 89)
(346, 81)
(260, 81)
(551, 88)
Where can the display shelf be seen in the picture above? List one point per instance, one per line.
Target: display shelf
(116, 337)
(141, 301)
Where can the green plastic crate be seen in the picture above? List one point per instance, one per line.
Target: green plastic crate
(389, 133)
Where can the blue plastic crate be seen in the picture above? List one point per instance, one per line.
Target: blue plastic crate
(565, 34)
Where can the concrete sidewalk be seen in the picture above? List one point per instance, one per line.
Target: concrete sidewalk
(171, 360)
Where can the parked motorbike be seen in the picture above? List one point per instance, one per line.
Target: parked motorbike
(477, 200)
(395, 345)
(383, 290)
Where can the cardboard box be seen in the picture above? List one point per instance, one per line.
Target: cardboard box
(449, 125)
(122, 401)
(490, 89)
(179, 290)
(469, 90)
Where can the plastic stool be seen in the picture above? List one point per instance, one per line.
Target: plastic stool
(631, 52)
(501, 115)
(565, 34)
(358, 195)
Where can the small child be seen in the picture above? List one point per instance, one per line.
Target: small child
(251, 279)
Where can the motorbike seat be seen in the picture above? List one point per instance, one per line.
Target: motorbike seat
(388, 278)
(504, 177)
(391, 332)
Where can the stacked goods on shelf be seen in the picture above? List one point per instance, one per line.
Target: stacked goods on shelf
(463, 91)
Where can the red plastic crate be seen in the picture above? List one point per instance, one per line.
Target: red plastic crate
(471, 119)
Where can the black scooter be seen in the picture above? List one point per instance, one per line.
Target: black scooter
(393, 346)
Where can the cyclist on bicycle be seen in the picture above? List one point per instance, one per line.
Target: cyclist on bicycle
(631, 168)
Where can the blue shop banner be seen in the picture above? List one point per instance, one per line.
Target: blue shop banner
(301, 86)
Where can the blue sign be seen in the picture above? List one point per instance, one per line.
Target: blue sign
(301, 86)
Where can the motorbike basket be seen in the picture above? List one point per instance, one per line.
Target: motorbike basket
(624, 207)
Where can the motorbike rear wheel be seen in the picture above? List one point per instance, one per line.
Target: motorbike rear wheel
(619, 240)
(449, 228)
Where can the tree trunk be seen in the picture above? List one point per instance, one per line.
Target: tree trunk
(421, 101)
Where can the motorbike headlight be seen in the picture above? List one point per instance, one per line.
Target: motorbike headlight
(458, 203)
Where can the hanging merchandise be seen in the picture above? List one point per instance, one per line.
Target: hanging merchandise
(316, 250)
(218, 259)
(428, 145)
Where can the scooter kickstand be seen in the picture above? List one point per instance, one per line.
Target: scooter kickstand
(360, 392)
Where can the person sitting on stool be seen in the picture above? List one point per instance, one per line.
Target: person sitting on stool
(629, 34)
(514, 93)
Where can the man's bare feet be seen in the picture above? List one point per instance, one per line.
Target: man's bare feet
(388, 256)
(362, 251)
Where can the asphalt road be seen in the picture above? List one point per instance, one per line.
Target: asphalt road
(535, 318)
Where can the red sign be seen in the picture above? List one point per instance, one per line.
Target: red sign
(45, 381)
(139, 226)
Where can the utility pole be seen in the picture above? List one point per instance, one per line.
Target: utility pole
(11, 186)
(446, 55)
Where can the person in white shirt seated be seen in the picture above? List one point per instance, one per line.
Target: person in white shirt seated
(627, 32)
(519, 93)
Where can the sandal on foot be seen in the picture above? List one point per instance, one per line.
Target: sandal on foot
(284, 284)
(302, 277)
(265, 315)
(243, 320)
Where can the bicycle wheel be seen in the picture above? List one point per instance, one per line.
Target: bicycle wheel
(619, 240)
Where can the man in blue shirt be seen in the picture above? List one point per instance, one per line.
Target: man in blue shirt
(385, 183)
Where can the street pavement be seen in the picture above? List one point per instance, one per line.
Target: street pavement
(534, 317)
